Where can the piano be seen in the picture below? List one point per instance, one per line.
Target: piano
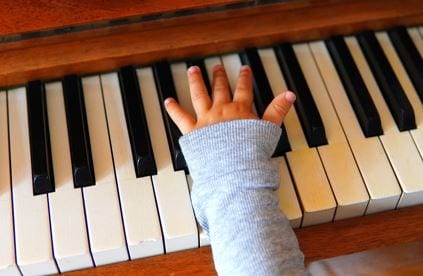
(92, 177)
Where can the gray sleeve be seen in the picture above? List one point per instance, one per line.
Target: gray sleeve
(232, 194)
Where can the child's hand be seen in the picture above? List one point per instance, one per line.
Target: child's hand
(222, 107)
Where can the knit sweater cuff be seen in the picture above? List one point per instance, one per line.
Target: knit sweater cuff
(232, 147)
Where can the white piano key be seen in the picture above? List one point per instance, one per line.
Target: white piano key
(68, 228)
(7, 247)
(170, 187)
(179, 74)
(203, 238)
(139, 211)
(288, 201)
(369, 154)
(408, 87)
(416, 38)
(34, 251)
(308, 173)
(232, 64)
(104, 219)
(344, 176)
(183, 94)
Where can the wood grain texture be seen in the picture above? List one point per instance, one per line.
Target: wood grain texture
(317, 242)
(24, 16)
(199, 35)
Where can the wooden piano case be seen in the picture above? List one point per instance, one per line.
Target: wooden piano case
(43, 40)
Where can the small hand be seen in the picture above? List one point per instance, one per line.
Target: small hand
(222, 107)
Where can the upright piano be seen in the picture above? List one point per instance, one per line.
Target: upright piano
(92, 178)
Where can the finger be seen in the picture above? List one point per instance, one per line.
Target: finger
(244, 88)
(279, 107)
(199, 96)
(183, 120)
(221, 92)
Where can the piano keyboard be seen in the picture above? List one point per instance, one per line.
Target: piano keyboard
(92, 172)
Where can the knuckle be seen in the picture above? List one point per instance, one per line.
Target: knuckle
(219, 86)
(280, 109)
(194, 81)
(198, 95)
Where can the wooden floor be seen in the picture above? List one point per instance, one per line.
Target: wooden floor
(317, 242)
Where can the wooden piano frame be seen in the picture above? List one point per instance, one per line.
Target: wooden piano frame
(207, 33)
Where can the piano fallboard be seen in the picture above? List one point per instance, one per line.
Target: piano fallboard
(142, 43)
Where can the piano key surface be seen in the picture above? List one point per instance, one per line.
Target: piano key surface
(104, 217)
(82, 163)
(410, 57)
(170, 186)
(166, 89)
(399, 146)
(137, 125)
(407, 86)
(386, 78)
(305, 106)
(347, 186)
(139, 210)
(357, 92)
(7, 247)
(375, 169)
(34, 253)
(67, 214)
(42, 168)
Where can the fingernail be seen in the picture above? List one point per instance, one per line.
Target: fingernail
(193, 69)
(245, 68)
(290, 96)
(169, 101)
(218, 67)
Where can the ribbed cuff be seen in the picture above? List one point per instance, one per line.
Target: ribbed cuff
(228, 147)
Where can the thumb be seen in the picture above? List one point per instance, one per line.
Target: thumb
(279, 107)
(182, 119)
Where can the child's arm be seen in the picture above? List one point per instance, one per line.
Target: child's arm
(228, 150)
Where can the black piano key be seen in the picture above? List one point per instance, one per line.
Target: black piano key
(360, 99)
(79, 138)
(409, 56)
(387, 81)
(263, 93)
(305, 106)
(139, 137)
(39, 137)
(166, 89)
(283, 145)
(202, 66)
